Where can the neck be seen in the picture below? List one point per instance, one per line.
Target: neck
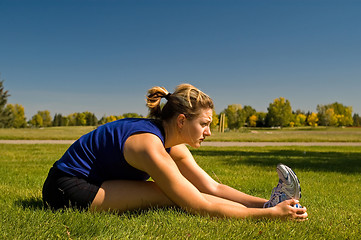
(172, 137)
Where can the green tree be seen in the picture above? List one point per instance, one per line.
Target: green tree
(261, 119)
(37, 121)
(80, 119)
(60, 120)
(234, 116)
(246, 113)
(132, 115)
(279, 113)
(5, 114)
(18, 119)
(91, 119)
(45, 115)
(356, 120)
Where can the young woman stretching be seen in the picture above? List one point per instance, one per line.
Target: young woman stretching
(107, 168)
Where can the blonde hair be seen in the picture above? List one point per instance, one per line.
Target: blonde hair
(186, 99)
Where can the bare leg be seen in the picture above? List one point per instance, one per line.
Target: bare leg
(122, 195)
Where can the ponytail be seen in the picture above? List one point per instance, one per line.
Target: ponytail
(186, 100)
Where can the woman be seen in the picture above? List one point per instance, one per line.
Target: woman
(107, 168)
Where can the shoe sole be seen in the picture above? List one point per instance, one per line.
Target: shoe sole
(294, 179)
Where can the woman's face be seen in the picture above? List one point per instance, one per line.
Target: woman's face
(197, 129)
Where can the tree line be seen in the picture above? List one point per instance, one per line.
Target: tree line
(279, 114)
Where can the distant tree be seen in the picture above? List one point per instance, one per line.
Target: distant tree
(279, 113)
(37, 121)
(91, 119)
(335, 114)
(356, 120)
(5, 114)
(312, 119)
(252, 121)
(59, 120)
(18, 119)
(45, 115)
(132, 115)
(80, 119)
(246, 113)
(261, 119)
(215, 119)
(234, 116)
(300, 119)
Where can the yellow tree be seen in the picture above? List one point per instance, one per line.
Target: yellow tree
(253, 121)
(215, 119)
(312, 119)
(37, 120)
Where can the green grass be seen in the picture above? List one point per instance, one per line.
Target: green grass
(330, 179)
(52, 133)
(320, 134)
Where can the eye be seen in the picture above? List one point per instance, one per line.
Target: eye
(204, 124)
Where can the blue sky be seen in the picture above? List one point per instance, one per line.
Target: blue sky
(101, 56)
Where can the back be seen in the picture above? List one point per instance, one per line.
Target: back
(98, 155)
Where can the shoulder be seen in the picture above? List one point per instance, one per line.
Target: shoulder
(142, 149)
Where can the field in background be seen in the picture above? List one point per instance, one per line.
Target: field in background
(330, 179)
(51, 133)
(319, 134)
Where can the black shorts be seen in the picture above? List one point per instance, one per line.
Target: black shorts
(62, 190)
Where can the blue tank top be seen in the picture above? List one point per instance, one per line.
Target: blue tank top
(98, 156)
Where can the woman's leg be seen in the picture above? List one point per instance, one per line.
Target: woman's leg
(123, 195)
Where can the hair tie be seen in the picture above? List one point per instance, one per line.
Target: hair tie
(167, 96)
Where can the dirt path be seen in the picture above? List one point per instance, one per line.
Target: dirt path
(214, 144)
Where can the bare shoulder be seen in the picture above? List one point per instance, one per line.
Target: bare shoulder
(142, 147)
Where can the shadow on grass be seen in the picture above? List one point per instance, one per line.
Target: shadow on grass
(304, 159)
(32, 203)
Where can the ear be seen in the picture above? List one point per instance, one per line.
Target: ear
(181, 120)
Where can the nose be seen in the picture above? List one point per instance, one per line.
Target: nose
(207, 131)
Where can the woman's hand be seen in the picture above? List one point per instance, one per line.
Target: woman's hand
(287, 210)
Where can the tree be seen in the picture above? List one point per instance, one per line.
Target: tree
(5, 114)
(132, 115)
(37, 121)
(215, 119)
(335, 114)
(356, 120)
(252, 121)
(45, 115)
(279, 113)
(91, 119)
(261, 119)
(299, 120)
(59, 120)
(18, 119)
(246, 113)
(312, 119)
(234, 116)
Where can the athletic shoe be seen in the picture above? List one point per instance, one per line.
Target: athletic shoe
(288, 187)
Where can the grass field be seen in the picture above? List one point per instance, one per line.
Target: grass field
(330, 179)
(320, 134)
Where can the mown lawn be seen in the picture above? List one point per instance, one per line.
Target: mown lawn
(305, 134)
(330, 179)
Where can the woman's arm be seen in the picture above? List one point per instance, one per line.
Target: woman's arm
(146, 152)
(199, 178)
